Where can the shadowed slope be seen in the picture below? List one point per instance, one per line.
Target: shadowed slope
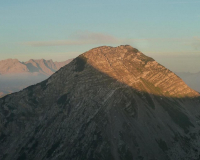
(83, 113)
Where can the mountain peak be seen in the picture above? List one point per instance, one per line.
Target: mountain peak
(10, 60)
(12, 66)
(130, 66)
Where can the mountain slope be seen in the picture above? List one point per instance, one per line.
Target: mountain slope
(104, 105)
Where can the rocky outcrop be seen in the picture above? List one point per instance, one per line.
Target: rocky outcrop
(104, 105)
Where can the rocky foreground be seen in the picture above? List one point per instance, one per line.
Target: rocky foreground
(110, 103)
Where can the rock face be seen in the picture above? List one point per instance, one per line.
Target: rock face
(107, 104)
(138, 71)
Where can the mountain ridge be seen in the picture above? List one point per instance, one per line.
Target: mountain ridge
(16, 75)
(14, 66)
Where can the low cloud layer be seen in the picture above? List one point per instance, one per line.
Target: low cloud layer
(196, 43)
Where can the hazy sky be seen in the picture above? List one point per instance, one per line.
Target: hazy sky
(167, 30)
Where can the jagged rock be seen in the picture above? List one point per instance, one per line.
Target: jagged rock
(108, 103)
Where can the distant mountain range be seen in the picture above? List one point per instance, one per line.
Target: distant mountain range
(46, 67)
(191, 79)
(16, 75)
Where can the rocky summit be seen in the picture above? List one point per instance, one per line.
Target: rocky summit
(110, 103)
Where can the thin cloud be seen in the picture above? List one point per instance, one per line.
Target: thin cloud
(82, 38)
(194, 43)
(89, 38)
(175, 54)
(159, 40)
(53, 43)
(97, 37)
(182, 2)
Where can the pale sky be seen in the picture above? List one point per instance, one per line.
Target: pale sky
(167, 30)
